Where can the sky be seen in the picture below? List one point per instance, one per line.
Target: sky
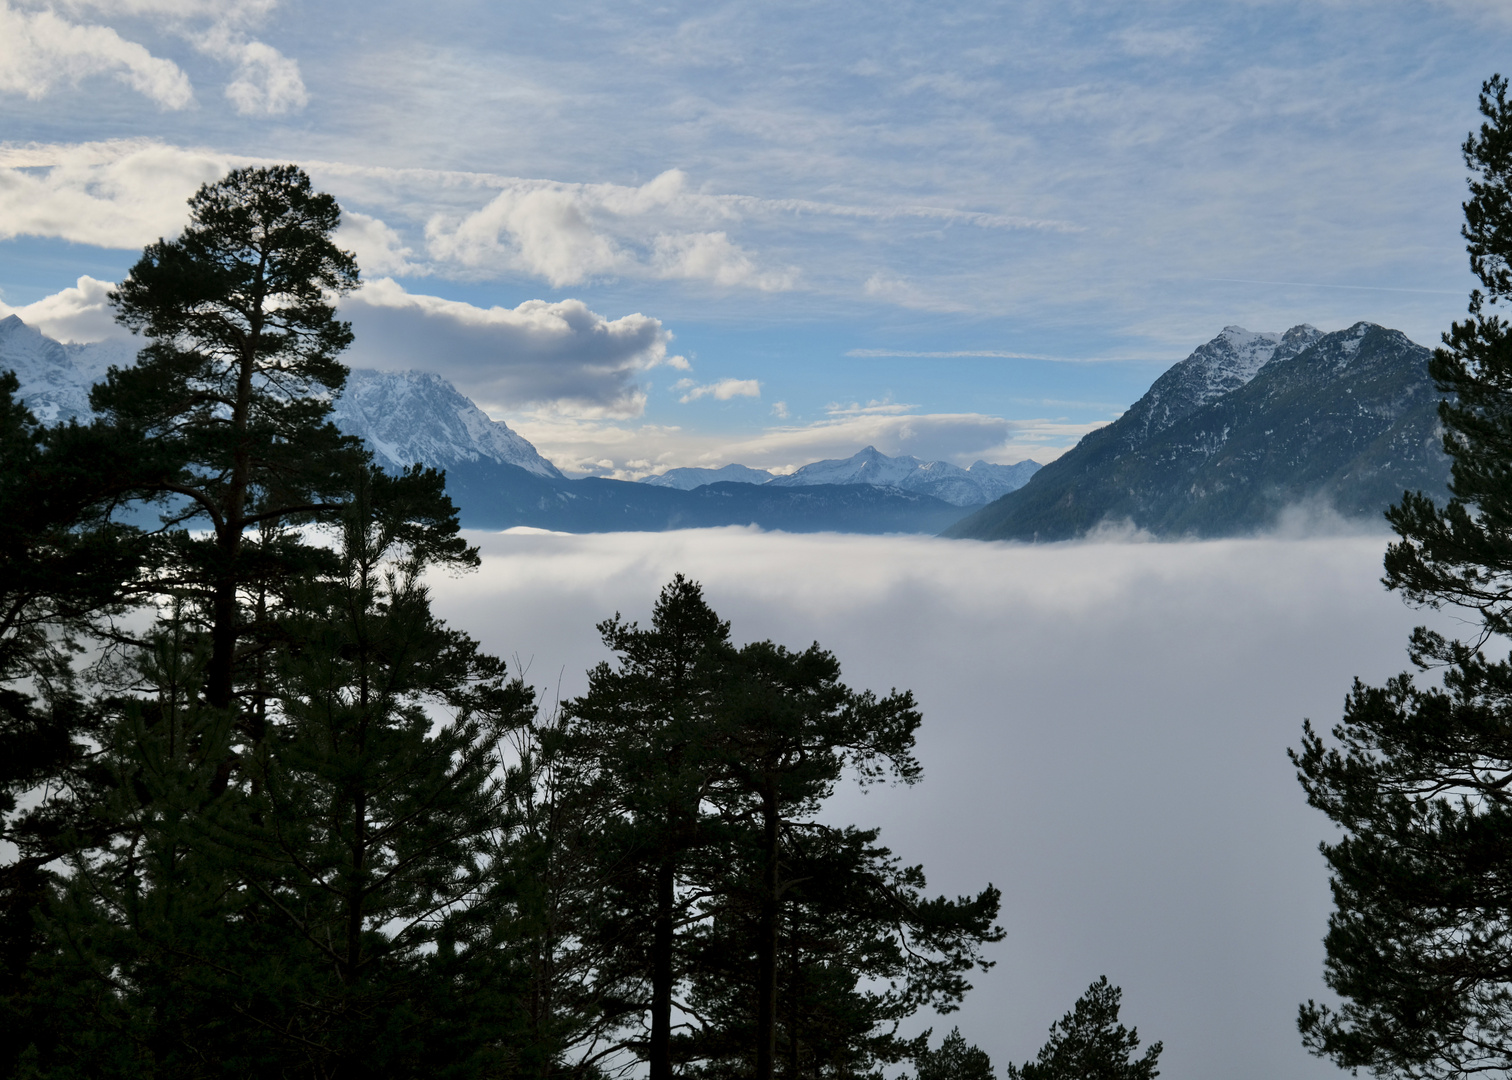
(671, 234)
(1138, 813)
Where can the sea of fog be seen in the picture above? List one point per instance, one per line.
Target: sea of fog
(1105, 733)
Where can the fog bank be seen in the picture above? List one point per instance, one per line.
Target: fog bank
(1104, 739)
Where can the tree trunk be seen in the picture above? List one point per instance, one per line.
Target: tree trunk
(661, 975)
(766, 943)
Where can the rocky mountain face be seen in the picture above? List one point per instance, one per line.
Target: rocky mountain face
(410, 416)
(1245, 427)
(979, 484)
(403, 416)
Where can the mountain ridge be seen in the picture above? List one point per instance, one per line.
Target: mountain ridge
(1349, 419)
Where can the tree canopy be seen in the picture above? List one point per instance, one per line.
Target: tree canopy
(283, 820)
(1417, 776)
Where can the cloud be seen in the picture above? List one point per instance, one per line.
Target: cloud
(712, 257)
(723, 390)
(558, 355)
(117, 194)
(572, 233)
(80, 314)
(583, 444)
(465, 225)
(39, 50)
(1104, 738)
(379, 249)
(266, 83)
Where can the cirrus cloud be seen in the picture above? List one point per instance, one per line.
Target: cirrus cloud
(723, 390)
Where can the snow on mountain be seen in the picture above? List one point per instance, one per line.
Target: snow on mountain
(410, 416)
(1222, 365)
(52, 385)
(690, 478)
(404, 416)
(981, 483)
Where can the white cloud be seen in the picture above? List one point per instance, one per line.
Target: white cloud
(571, 233)
(125, 193)
(723, 390)
(582, 444)
(39, 50)
(711, 256)
(1104, 739)
(228, 11)
(267, 83)
(558, 355)
(118, 194)
(544, 231)
(379, 249)
(81, 313)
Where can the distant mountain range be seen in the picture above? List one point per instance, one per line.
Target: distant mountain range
(981, 483)
(498, 479)
(1245, 427)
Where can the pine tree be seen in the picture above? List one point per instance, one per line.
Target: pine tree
(954, 1060)
(793, 730)
(331, 912)
(861, 949)
(644, 745)
(1089, 1043)
(227, 404)
(64, 566)
(1418, 776)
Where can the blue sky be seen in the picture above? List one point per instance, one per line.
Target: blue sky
(680, 234)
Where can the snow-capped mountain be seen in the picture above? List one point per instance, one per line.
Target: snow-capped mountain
(410, 416)
(689, 478)
(1349, 422)
(1214, 369)
(403, 416)
(979, 484)
(52, 385)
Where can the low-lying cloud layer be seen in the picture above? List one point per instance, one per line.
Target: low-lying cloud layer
(1104, 739)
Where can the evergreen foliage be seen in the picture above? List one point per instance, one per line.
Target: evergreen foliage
(954, 1060)
(1417, 776)
(228, 402)
(1089, 1043)
(300, 827)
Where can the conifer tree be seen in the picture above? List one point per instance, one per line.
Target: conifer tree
(1417, 777)
(793, 730)
(644, 744)
(861, 948)
(331, 912)
(954, 1060)
(1089, 1043)
(64, 566)
(227, 405)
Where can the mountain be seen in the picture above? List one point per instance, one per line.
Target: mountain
(949, 483)
(1245, 427)
(690, 478)
(497, 478)
(410, 416)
